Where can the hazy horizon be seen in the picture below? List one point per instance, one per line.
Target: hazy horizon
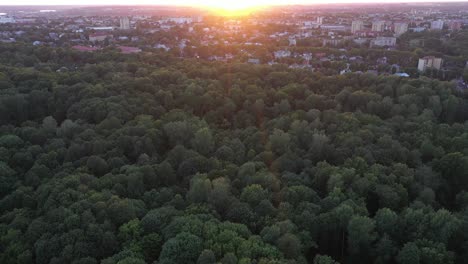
(203, 2)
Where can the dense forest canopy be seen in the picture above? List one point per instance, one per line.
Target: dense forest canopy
(148, 158)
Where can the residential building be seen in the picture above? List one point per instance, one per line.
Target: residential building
(400, 28)
(5, 20)
(100, 28)
(332, 42)
(311, 24)
(437, 25)
(418, 29)
(357, 25)
(333, 27)
(98, 37)
(383, 42)
(378, 26)
(366, 33)
(292, 41)
(320, 20)
(180, 20)
(282, 54)
(124, 23)
(429, 62)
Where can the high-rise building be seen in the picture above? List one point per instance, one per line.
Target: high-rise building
(378, 26)
(320, 20)
(437, 25)
(400, 28)
(429, 62)
(357, 25)
(124, 23)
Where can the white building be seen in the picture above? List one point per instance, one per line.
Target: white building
(310, 24)
(320, 20)
(282, 54)
(429, 62)
(333, 27)
(292, 41)
(100, 28)
(383, 42)
(5, 20)
(400, 28)
(161, 46)
(418, 29)
(378, 26)
(180, 20)
(437, 25)
(124, 23)
(357, 26)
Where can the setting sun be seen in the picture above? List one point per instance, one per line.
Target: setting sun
(234, 8)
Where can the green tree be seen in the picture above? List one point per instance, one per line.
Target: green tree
(361, 234)
(184, 248)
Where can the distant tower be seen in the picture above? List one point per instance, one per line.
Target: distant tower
(124, 23)
(357, 26)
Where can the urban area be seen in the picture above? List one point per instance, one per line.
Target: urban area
(406, 40)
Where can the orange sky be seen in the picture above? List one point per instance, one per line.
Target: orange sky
(192, 2)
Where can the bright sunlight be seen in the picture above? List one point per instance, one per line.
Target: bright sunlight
(235, 7)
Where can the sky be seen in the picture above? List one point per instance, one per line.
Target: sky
(196, 2)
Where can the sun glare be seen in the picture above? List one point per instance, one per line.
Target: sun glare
(233, 7)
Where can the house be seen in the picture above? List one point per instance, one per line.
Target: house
(99, 37)
(282, 54)
(332, 42)
(429, 62)
(366, 33)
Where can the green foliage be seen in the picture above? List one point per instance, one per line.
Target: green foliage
(147, 158)
(184, 248)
